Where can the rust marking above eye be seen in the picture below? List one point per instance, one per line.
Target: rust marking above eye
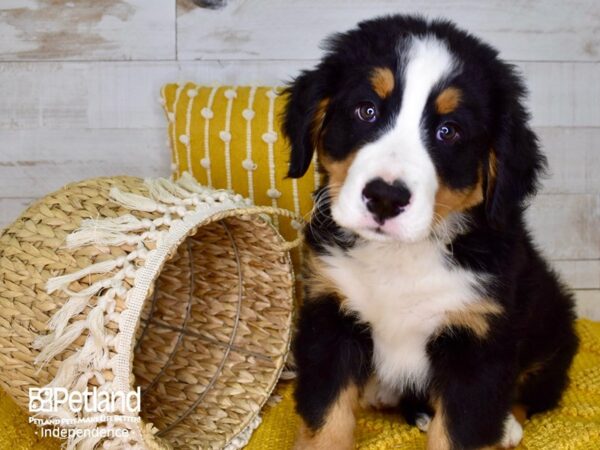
(448, 100)
(382, 81)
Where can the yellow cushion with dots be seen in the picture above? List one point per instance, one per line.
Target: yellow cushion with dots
(230, 138)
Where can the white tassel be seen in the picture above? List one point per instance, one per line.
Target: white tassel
(189, 183)
(107, 231)
(134, 201)
(67, 372)
(86, 356)
(90, 236)
(81, 383)
(174, 188)
(52, 345)
(71, 308)
(159, 193)
(92, 289)
(62, 282)
(93, 357)
(96, 324)
(125, 222)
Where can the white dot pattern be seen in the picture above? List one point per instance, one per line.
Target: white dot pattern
(270, 137)
(208, 114)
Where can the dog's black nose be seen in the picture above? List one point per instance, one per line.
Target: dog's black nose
(385, 200)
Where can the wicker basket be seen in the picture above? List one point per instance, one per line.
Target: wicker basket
(173, 287)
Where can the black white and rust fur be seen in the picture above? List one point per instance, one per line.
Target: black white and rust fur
(423, 288)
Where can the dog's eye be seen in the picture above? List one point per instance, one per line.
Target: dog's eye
(447, 133)
(366, 111)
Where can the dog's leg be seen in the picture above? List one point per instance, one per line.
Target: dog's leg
(442, 436)
(438, 437)
(472, 390)
(338, 428)
(333, 357)
(416, 410)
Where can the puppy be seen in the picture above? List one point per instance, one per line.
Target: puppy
(424, 290)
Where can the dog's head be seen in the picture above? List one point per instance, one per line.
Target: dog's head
(413, 122)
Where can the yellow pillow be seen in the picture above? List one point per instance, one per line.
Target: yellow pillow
(230, 138)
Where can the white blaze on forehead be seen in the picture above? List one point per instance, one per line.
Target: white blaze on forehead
(427, 62)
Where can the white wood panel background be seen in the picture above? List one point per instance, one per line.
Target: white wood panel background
(79, 83)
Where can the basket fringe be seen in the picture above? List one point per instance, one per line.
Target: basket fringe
(93, 289)
(102, 237)
(181, 198)
(51, 344)
(163, 191)
(178, 189)
(135, 202)
(113, 231)
(62, 282)
(73, 307)
(128, 222)
(95, 323)
(188, 182)
(65, 371)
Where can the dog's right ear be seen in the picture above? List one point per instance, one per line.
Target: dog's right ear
(303, 119)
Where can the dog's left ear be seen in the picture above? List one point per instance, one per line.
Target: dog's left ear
(515, 162)
(303, 118)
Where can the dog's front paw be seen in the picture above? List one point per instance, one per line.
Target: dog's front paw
(513, 433)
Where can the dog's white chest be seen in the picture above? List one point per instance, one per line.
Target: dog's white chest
(403, 291)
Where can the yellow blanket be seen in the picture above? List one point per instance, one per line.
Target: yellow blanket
(574, 425)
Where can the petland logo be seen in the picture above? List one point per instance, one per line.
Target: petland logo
(47, 400)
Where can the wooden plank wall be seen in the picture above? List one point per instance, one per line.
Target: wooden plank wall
(79, 83)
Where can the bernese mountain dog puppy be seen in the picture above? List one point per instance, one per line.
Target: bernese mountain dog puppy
(423, 289)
